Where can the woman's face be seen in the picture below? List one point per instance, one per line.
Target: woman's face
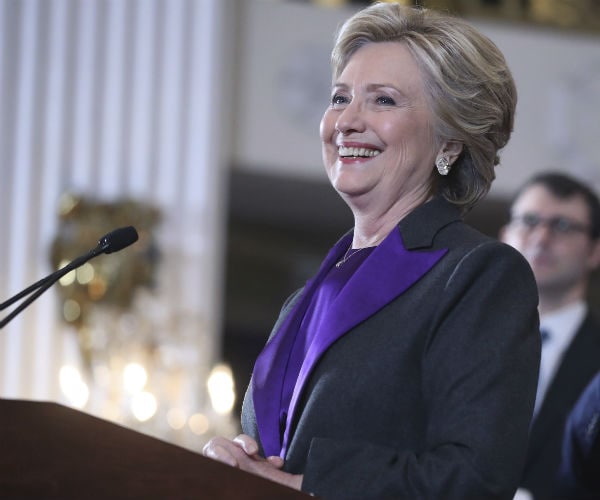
(377, 137)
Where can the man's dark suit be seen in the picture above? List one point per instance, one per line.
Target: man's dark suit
(429, 394)
(580, 467)
(579, 365)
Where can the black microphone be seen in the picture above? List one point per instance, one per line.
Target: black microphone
(118, 239)
(112, 242)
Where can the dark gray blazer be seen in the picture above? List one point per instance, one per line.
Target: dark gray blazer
(432, 394)
(579, 365)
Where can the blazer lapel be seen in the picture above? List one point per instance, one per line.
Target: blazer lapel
(270, 366)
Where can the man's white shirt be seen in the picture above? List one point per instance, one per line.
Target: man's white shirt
(561, 327)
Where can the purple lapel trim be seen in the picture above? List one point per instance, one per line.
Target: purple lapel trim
(388, 272)
(270, 366)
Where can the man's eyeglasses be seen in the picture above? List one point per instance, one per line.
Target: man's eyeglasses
(562, 226)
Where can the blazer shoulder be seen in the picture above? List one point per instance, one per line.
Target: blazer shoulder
(463, 239)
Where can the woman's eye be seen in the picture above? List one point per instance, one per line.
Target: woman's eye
(385, 100)
(338, 99)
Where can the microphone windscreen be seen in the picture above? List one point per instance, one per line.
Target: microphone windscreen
(118, 239)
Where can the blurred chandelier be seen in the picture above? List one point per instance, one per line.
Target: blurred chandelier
(140, 365)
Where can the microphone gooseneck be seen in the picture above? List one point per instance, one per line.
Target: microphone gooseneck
(112, 242)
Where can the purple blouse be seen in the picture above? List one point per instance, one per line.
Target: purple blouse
(333, 282)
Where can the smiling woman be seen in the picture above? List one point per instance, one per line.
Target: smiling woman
(395, 371)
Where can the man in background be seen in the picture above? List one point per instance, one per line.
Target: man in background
(555, 224)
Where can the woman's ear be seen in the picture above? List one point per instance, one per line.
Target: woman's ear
(451, 150)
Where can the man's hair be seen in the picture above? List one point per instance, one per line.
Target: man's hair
(563, 186)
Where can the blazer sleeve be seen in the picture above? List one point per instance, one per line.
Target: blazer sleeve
(478, 374)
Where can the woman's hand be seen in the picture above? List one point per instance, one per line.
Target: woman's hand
(242, 453)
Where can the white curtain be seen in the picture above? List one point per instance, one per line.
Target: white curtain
(110, 99)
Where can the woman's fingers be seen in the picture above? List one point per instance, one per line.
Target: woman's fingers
(231, 452)
(276, 461)
(223, 450)
(249, 445)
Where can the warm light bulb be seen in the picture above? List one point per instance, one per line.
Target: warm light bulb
(68, 278)
(85, 274)
(199, 424)
(221, 389)
(73, 386)
(176, 418)
(143, 406)
(71, 310)
(134, 377)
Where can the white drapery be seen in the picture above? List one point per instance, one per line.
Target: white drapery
(110, 98)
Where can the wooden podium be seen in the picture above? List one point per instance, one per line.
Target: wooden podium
(49, 451)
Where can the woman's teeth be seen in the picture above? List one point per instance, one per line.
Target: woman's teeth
(345, 151)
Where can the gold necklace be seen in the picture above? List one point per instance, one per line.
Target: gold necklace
(347, 255)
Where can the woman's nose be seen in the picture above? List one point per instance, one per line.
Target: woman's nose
(351, 119)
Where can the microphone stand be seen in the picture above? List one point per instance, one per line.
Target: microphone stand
(112, 242)
(42, 285)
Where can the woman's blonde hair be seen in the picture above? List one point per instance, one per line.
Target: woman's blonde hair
(468, 84)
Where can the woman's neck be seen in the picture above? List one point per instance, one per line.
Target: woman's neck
(371, 226)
